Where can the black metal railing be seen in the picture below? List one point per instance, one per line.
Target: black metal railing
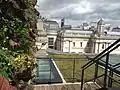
(110, 71)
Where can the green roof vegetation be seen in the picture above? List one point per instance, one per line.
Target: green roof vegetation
(70, 64)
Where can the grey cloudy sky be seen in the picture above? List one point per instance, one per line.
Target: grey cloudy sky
(79, 11)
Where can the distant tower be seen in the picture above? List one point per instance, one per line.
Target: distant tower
(62, 22)
(100, 27)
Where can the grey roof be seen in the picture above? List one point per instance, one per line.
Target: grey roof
(114, 33)
(50, 22)
(77, 29)
(117, 29)
(101, 22)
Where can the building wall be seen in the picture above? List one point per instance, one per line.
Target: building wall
(54, 41)
(102, 44)
(100, 29)
(51, 28)
(41, 39)
(79, 41)
(74, 45)
(59, 41)
(40, 25)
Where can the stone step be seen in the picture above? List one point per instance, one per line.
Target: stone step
(109, 89)
(91, 86)
(63, 86)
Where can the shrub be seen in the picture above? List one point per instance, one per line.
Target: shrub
(15, 66)
(24, 67)
(6, 64)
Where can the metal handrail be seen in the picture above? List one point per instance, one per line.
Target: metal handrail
(111, 68)
(103, 52)
(116, 67)
(97, 59)
(105, 62)
(116, 64)
(113, 79)
(96, 78)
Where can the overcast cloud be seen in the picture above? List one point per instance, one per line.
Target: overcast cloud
(78, 11)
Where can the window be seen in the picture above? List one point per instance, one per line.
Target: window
(53, 26)
(74, 33)
(108, 44)
(50, 41)
(80, 44)
(73, 44)
(51, 47)
(103, 46)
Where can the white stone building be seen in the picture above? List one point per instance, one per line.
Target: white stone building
(69, 40)
(52, 27)
(86, 41)
(41, 39)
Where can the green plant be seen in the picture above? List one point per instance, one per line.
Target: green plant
(15, 36)
(23, 61)
(6, 64)
(16, 66)
(24, 66)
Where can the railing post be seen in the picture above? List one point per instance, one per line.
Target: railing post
(82, 79)
(96, 71)
(50, 72)
(106, 70)
(73, 70)
(109, 79)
